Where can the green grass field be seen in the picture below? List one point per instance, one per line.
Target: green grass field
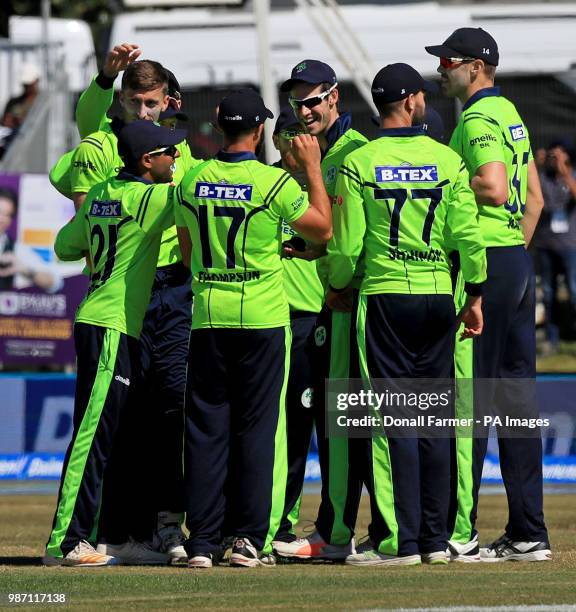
(25, 521)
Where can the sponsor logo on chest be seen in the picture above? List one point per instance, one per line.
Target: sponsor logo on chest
(406, 174)
(112, 208)
(219, 191)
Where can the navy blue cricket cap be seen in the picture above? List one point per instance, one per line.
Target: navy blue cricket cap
(397, 81)
(242, 110)
(286, 119)
(173, 84)
(172, 112)
(142, 136)
(473, 43)
(310, 71)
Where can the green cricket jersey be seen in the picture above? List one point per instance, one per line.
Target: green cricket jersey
(302, 283)
(120, 225)
(401, 198)
(490, 129)
(233, 207)
(345, 140)
(96, 158)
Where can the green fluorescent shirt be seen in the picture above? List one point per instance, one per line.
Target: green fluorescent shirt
(349, 141)
(96, 159)
(92, 107)
(490, 129)
(402, 198)
(233, 211)
(120, 224)
(304, 288)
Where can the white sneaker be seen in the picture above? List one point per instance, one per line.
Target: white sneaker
(435, 558)
(83, 555)
(244, 554)
(169, 538)
(201, 561)
(370, 556)
(504, 549)
(134, 553)
(313, 547)
(464, 553)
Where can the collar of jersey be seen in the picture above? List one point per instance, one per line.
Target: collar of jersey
(233, 158)
(337, 129)
(126, 176)
(414, 130)
(487, 92)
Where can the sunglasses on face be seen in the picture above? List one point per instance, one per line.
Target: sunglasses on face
(170, 151)
(452, 62)
(312, 101)
(290, 134)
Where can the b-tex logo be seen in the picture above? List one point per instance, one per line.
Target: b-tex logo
(517, 132)
(406, 174)
(217, 191)
(484, 140)
(111, 208)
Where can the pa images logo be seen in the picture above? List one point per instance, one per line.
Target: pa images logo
(330, 174)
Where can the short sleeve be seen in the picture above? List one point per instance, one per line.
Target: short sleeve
(90, 165)
(287, 199)
(482, 142)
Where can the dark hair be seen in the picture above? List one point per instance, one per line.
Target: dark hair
(145, 75)
(9, 194)
(387, 109)
(490, 71)
(235, 135)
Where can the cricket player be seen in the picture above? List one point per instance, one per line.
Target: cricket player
(231, 209)
(314, 97)
(494, 143)
(148, 90)
(119, 228)
(305, 292)
(399, 198)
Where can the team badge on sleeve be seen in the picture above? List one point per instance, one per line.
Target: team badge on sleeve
(222, 191)
(406, 174)
(517, 132)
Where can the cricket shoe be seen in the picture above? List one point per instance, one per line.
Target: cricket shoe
(83, 555)
(134, 553)
(367, 555)
(439, 557)
(505, 549)
(313, 547)
(169, 538)
(202, 561)
(244, 554)
(464, 553)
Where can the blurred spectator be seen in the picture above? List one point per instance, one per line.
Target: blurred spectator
(555, 238)
(20, 266)
(17, 108)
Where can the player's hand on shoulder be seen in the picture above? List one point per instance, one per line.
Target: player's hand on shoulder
(119, 58)
(306, 150)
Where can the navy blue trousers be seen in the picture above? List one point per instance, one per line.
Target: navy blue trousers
(507, 350)
(308, 363)
(235, 457)
(407, 337)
